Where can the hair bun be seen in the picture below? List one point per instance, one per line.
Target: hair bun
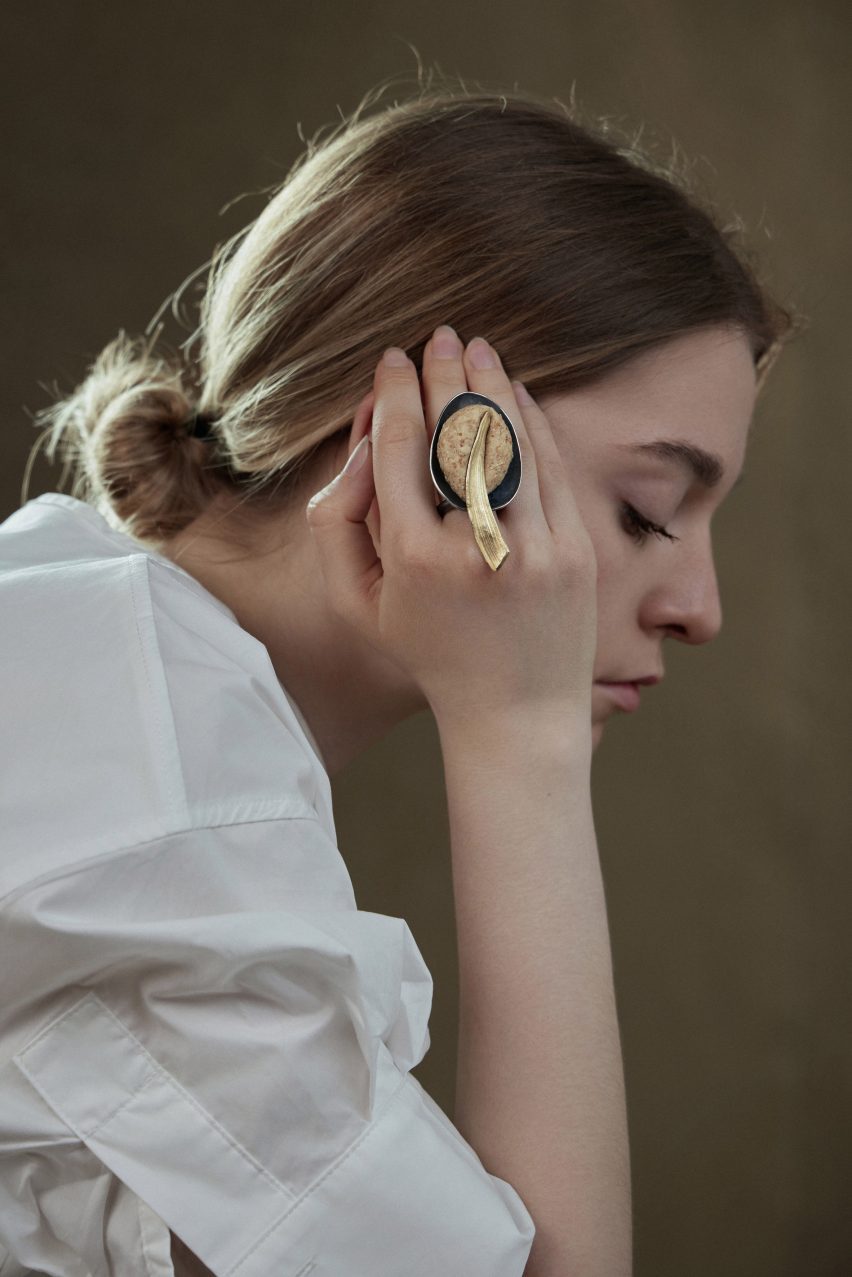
(122, 430)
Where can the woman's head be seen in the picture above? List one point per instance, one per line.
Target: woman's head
(653, 450)
(500, 214)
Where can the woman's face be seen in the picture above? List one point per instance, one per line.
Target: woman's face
(627, 441)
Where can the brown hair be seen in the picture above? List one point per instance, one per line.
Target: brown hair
(569, 248)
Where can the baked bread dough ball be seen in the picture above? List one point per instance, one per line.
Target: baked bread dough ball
(455, 443)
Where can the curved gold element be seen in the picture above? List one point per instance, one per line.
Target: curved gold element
(486, 529)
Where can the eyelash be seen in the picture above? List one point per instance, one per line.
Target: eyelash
(637, 526)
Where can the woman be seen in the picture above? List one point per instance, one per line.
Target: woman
(207, 1047)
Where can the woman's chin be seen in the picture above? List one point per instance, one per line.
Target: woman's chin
(597, 732)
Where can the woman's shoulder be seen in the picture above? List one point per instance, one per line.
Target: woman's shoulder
(135, 704)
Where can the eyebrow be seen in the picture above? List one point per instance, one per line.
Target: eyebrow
(705, 467)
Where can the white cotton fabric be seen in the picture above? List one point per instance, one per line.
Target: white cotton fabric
(199, 1029)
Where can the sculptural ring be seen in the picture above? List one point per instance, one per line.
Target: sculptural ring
(475, 463)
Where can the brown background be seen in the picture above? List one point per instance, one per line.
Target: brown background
(723, 806)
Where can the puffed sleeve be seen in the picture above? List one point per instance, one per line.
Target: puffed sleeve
(210, 1017)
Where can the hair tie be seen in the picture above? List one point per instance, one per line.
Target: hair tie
(199, 426)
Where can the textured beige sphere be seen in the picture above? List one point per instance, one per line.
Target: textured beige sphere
(456, 441)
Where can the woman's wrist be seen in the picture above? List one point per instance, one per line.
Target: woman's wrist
(560, 731)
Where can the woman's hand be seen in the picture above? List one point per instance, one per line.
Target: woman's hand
(476, 642)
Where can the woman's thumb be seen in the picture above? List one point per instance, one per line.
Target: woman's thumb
(336, 516)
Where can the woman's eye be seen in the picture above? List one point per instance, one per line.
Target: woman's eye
(637, 526)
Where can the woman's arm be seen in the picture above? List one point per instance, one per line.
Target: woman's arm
(540, 1085)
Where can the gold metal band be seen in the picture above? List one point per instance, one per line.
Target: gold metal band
(486, 529)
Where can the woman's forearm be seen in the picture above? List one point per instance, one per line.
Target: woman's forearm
(540, 1082)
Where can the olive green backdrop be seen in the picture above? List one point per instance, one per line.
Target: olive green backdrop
(722, 808)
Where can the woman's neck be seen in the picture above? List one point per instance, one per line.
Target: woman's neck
(347, 692)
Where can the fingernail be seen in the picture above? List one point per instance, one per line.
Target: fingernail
(481, 354)
(522, 395)
(445, 342)
(357, 457)
(395, 357)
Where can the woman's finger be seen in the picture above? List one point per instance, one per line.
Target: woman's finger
(336, 516)
(557, 496)
(485, 375)
(443, 373)
(404, 487)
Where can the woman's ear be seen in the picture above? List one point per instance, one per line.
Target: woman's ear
(362, 423)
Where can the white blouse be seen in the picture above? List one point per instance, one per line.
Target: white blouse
(199, 1029)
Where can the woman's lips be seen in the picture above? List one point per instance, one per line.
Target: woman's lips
(626, 695)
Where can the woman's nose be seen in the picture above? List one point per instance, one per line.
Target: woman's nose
(688, 606)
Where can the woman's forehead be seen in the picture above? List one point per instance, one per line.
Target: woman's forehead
(689, 402)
